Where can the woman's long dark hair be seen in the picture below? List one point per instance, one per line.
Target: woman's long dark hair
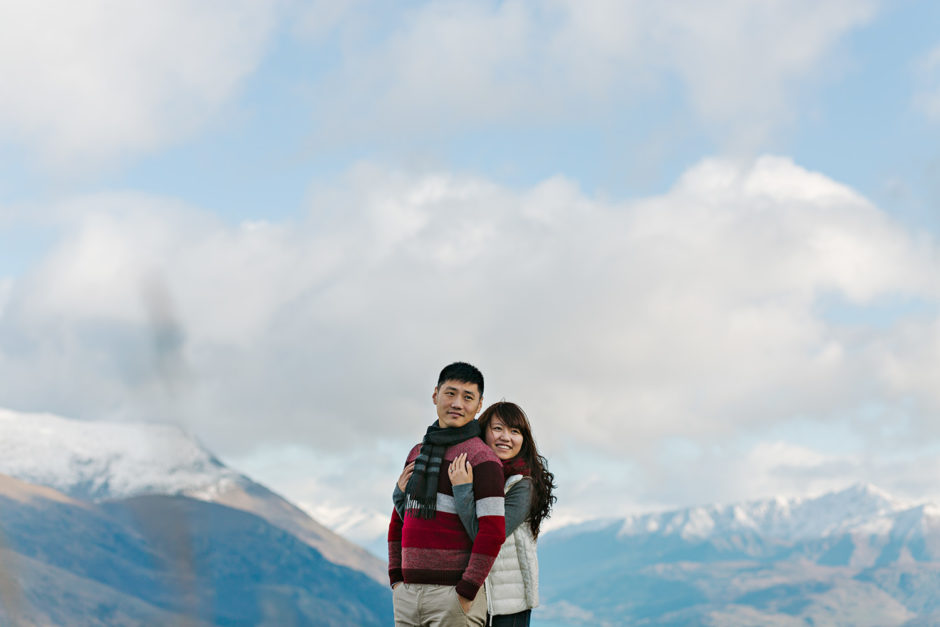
(543, 482)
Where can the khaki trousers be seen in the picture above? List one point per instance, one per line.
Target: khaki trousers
(427, 605)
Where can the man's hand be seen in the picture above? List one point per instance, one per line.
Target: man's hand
(405, 476)
(465, 603)
(460, 471)
(397, 583)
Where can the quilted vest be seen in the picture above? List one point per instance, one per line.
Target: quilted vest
(513, 583)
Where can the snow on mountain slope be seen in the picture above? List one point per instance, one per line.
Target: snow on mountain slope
(99, 461)
(860, 508)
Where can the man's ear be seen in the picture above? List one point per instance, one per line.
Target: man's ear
(479, 406)
(434, 395)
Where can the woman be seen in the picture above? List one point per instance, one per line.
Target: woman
(512, 585)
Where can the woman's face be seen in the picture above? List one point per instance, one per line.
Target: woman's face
(505, 441)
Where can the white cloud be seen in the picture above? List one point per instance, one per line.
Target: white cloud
(913, 368)
(95, 81)
(784, 468)
(445, 65)
(740, 469)
(744, 62)
(779, 467)
(699, 313)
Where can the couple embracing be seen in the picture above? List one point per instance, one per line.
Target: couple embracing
(468, 506)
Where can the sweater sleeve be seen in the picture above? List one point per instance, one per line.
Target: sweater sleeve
(394, 532)
(517, 504)
(490, 503)
(398, 499)
(466, 508)
(394, 549)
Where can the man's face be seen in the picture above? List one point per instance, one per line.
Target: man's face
(457, 403)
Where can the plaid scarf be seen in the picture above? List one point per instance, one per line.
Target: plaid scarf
(422, 487)
(515, 466)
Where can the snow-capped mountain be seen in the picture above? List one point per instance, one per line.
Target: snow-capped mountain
(859, 509)
(366, 527)
(862, 508)
(99, 461)
(855, 557)
(103, 461)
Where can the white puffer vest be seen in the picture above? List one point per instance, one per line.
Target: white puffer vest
(513, 583)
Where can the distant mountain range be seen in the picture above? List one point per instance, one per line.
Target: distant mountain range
(135, 524)
(131, 524)
(855, 557)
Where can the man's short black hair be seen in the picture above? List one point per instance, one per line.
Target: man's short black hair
(463, 372)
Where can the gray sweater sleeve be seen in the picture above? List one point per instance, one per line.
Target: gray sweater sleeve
(398, 498)
(517, 506)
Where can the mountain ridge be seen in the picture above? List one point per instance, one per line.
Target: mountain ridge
(849, 509)
(857, 556)
(98, 461)
(166, 560)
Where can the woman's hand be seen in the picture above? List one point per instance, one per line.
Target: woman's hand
(460, 471)
(405, 476)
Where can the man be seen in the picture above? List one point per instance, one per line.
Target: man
(435, 568)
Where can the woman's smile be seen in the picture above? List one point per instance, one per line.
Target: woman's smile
(505, 441)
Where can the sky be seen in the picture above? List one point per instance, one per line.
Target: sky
(696, 242)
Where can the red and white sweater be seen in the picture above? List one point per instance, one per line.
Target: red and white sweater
(439, 550)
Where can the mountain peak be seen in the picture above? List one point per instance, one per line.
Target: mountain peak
(778, 517)
(103, 461)
(106, 460)
(870, 491)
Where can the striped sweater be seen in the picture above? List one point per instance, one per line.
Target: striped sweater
(439, 550)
